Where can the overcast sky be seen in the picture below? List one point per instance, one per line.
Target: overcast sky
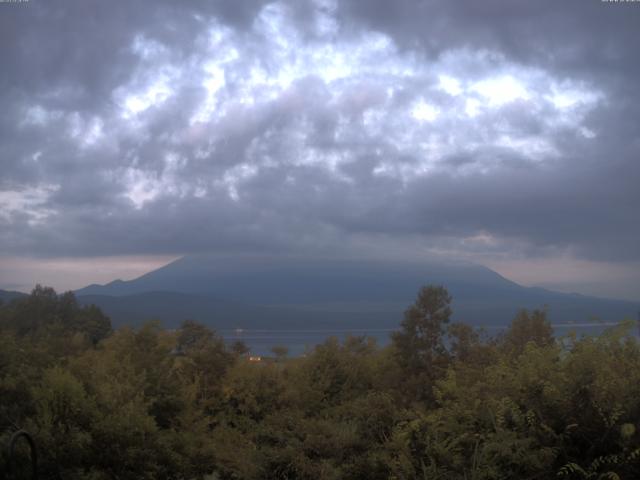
(502, 132)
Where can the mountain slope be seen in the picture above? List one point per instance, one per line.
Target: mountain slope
(7, 295)
(292, 280)
(261, 292)
(172, 307)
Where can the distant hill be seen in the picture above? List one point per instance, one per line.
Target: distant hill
(7, 295)
(278, 293)
(173, 307)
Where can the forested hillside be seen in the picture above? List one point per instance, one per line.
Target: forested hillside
(443, 401)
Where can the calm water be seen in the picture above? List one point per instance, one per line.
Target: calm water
(300, 341)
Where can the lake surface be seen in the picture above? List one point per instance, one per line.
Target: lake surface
(299, 342)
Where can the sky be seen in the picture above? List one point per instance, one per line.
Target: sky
(505, 133)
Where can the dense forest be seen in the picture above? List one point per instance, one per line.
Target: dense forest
(442, 401)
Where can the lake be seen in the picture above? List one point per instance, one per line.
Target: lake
(298, 342)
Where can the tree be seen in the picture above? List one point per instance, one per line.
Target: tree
(420, 349)
(280, 351)
(527, 328)
(193, 336)
(463, 341)
(44, 314)
(239, 348)
(206, 358)
(92, 322)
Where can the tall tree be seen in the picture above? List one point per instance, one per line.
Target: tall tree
(528, 327)
(419, 345)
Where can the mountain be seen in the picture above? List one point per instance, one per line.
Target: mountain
(276, 293)
(173, 307)
(7, 295)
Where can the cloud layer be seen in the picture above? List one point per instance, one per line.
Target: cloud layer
(465, 128)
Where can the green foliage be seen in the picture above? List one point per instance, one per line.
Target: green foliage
(419, 344)
(47, 314)
(441, 402)
(280, 351)
(528, 327)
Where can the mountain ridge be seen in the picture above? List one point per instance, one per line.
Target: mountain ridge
(9, 295)
(245, 291)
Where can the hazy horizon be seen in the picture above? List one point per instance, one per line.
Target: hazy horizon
(47, 274)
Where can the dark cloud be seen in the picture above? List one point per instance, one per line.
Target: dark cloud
(590, 37)
(177, 127)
